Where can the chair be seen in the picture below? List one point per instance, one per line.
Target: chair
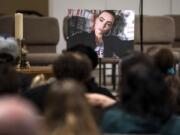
(176, 44)
(41, 36)
(157, 31)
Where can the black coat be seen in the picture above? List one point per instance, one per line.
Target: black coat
(112, 44)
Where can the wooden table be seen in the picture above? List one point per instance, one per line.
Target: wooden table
(35, 70)
(47, 70)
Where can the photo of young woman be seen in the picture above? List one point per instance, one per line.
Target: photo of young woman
(100, 38)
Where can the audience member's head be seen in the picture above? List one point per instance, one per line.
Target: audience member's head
(9, 50)
(18, 117)
(143, 88)
(10, 54)
(72, 65)
(9, 80)
(164, 60)
(81, 48)
(67, 111)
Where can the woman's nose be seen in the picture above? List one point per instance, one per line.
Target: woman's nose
(103, 25)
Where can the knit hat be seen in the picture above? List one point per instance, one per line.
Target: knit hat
(9, 46)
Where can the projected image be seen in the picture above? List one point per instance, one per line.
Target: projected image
(109, 32)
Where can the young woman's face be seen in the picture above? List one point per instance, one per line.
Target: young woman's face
(103, 23)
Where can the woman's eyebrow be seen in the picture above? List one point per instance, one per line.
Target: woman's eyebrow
(101, 17)
(105, 19)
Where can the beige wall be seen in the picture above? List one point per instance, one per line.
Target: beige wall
(10, 6)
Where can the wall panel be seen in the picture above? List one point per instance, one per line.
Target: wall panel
(10, 6)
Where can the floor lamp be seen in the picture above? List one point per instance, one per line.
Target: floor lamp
(141, 26)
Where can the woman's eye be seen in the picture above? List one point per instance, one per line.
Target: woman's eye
(108, 25)
(101, 19)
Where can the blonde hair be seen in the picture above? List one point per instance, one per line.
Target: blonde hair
(68, 112)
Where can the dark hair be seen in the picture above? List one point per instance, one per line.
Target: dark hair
(143, 89)
(72, 65)
(9, 50)
(163, 59)
(111, 12)
(7, 58)
(9, 80)
(92, 55)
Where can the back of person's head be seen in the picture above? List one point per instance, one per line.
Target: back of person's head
(92, 55)
(72, 65)
(9, 79)
(132, 58)
(18, 117)
(67, 111)
(9, 50)
(164, 59)
(143, 88)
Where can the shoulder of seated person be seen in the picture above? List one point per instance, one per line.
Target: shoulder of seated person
(37, 89)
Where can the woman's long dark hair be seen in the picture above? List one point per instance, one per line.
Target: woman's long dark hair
(143, 89)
